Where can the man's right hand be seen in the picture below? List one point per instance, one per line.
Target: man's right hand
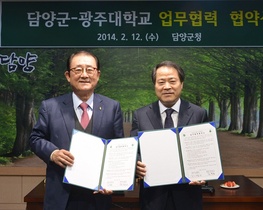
(62, 158)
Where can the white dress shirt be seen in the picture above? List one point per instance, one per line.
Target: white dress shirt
(174, 115)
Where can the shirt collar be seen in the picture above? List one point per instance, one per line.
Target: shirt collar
(77, 101)
(176, 106)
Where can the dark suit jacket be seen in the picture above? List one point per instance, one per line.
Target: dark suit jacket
(184, 196)
(53, 130)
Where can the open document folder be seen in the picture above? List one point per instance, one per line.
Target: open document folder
(180, 155)
(101, 163)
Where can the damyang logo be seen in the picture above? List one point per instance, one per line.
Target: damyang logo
(13, 62)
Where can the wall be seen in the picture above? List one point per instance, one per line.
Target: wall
(15, 183)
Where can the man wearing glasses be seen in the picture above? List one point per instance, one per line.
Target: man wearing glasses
(83, 110)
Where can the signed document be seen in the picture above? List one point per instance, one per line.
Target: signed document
(180, 155)
(101, 163)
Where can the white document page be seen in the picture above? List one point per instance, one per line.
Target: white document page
(200, 151)
(120, 163)
(159, 152)
(88, 153)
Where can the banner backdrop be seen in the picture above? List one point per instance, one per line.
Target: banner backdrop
(131, 23)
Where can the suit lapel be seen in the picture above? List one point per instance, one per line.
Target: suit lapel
(97, 116)
(68, 114)
(154, 116)
(184, 113)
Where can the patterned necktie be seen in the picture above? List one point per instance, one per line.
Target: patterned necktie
(84, 117)
(168, 123)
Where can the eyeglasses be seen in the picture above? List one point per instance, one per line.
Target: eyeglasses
(80, 70)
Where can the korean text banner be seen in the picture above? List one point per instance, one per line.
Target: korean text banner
(132, 23)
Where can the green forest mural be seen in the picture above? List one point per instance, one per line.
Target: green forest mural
(226, 81)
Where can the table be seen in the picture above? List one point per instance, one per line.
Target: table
(248, 197)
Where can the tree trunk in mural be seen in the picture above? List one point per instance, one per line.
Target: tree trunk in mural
(211, 111)
(235, 113)
(24, 123)
(223, 105)
(250, 108)
(260, 127)
(235, 106)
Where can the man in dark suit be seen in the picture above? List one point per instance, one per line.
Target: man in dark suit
(168, 79)
(50, 138)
